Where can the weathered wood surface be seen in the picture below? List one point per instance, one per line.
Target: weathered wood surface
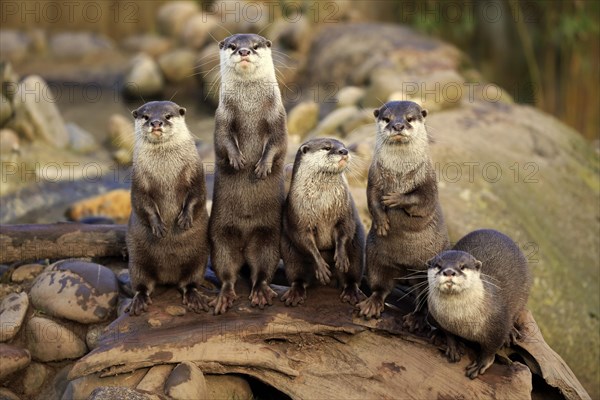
(318, 350)
(60, 240)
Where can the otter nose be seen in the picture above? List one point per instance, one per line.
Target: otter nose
(449, 272)
(244, 52)
(157, 123)
(398, 127)
(343, 152)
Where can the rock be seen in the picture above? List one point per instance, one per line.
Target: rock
(122, 305)
(76, 45)
(50, 341)
(6, 111)
(6, 394)
(121, 132)
(125, 282)
(208, 68)
(115, 204)
(292, 36)
(80, 291)
(196, 32)
(34, 378)
(225, 387)
(178, 65)
(39, 40)
(14, 45)
(172, 17)
(80, 140)
(331, 125)
(12, 359)
(303, 118)
(175, 311)
(9, 80)
(152, 45)
(96, 221)
(35, 103)
(121, 393)
(155, 379)
(26, 272)
(3, 269)
(12, 313)
(144, 78)
(349, 96)
(123, 156)
(93, 334)
(81, 388)
(186, 382)
(9, 142)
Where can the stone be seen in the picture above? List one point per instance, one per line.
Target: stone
(225, 387)
(77, 45)
(80, 291)
(303, 118)
(6, 111)
(26, 272)
(186, 382)
(123, 156)
(9, 142)
(81, 388)
(349, 96)
(154, 380)
(3, 269)
(144, 78)
(34, 378)
(178, 65)
(35, 104)
(175, 311)
(12, 359)
(93, 334)
(196, 31)
(6, 394)
(115, 204)
(332, 123)
(121, 393)
(39, 40)
(125, 282)
(80, 140)
(12, 313)
(50, 341)
(151, 44)
(14, 45)
(172, 17)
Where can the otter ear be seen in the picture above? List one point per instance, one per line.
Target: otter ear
(181, 111)
(269, 43)
(221, 44)
(477, 265)
(135, 114)
(376, 113)
(304, 148)
(424, 113)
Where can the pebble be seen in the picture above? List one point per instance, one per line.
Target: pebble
(186, 382)
(12, 359)
(34, 378)
(50, 341)
(12, 313)
(26, 272)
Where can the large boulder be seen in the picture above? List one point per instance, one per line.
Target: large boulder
(51, 341)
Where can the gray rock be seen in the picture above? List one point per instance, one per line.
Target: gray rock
(26, 272)
(80, 140)
(80, 291)
(349, 96)
(34, 378)
(76, 45)
(12, 359)
(225, 387)
(12, 313)
(178, 65)
(14, 45)
(186, 382)
(171, 17)
(144, 78)
(81, 388)
(50, 341)
(6, 110)
(150, 44)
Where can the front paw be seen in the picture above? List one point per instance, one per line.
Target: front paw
(342, 262)
(262, 169)
(394, 199)
(159, 229)
(237, 161)
(323, 273)
(185, 220)
(382, 225)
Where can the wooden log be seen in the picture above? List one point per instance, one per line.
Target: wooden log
(60, 240)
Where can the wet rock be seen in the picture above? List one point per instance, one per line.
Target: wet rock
(225, 387)
(186, 382)
(35, 106)
(26, 272)
(152, 45)
(14, 45)
(76, 45)
(34, 377)
(121, 393)
(50, 341)
(12, 359)
(155, 379)
(80, 140)
(115, 204)
(172, 17)
(303, 118)
(12, 313)
(349, 96)
(6, 110)
(9, 142)
(80, 291)
(178, 65)
(81, 388)
(196, 32)
(144, 78)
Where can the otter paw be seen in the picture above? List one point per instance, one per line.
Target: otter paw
(195, 301)
(261, 296)
(479, 367)
(352, 294)
(223, 301)
(415, 322)
(159, 229)
(394, 199)
(323, 273)
(139, 304)
(382, 226)
(454, 351)
(237, 162)
(185, 220)
(294, 296)
(262, 169)
(513, 337)
(342, 263)
(370, 308)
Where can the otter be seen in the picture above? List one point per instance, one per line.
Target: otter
(250, 145)
(167, 237)
(476, 291)
(321, 226)
(408, 226)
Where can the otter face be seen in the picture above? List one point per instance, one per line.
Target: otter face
(400, 122)
(246, 54)
(323, 155)
(158, 121)
(453, 272)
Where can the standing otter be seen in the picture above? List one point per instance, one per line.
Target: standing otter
(408, 226)
(320, 222)
(476, 291)
(250, 146)
(167, 238)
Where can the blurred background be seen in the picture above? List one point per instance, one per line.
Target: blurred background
(511, 86)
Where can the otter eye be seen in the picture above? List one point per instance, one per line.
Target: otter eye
(146, 118)
(327, 148)
(386, 120)
(168, 117)
(255, 47)
(462, 267)
(232, 46)
(409, 119)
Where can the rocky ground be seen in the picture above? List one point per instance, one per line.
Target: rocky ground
(500, 165)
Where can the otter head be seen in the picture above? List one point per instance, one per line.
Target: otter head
(400, 123)
(323, 155)
(453, 272)
(246, 55)
(158, 121)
